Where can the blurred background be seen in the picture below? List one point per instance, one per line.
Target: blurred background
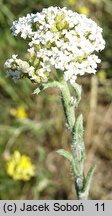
(35, 125)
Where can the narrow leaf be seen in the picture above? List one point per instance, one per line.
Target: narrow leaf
(69, 156)
(78, 142)
(88, 179)
(79, 126)
(78, 90)
(49, 84)
(65, 154)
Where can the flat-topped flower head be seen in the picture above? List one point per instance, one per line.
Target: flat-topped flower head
(58, 39)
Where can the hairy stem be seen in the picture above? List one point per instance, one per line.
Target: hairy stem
(67, 105)
(82, 185)
(75, 126)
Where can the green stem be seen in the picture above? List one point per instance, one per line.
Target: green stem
(67, 105)
(82, 185)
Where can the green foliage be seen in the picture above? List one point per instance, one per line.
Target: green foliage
(65, 154)
(78, 90)
(88, 179)
(78, 143)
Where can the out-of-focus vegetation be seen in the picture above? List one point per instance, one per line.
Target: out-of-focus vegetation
(35, 126)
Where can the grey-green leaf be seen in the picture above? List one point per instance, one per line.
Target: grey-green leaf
(88, 179)
(69, 156)
(65, 154)
(49, 84)
(79, 126)
(78, 90)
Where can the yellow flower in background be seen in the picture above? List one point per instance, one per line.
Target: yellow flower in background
(101, 75)
(84, 10)
(93, 1)
(18, 112)
(19, 167)
(71, 2)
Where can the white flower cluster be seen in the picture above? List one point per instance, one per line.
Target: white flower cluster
(60, 39)
(17, 68)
